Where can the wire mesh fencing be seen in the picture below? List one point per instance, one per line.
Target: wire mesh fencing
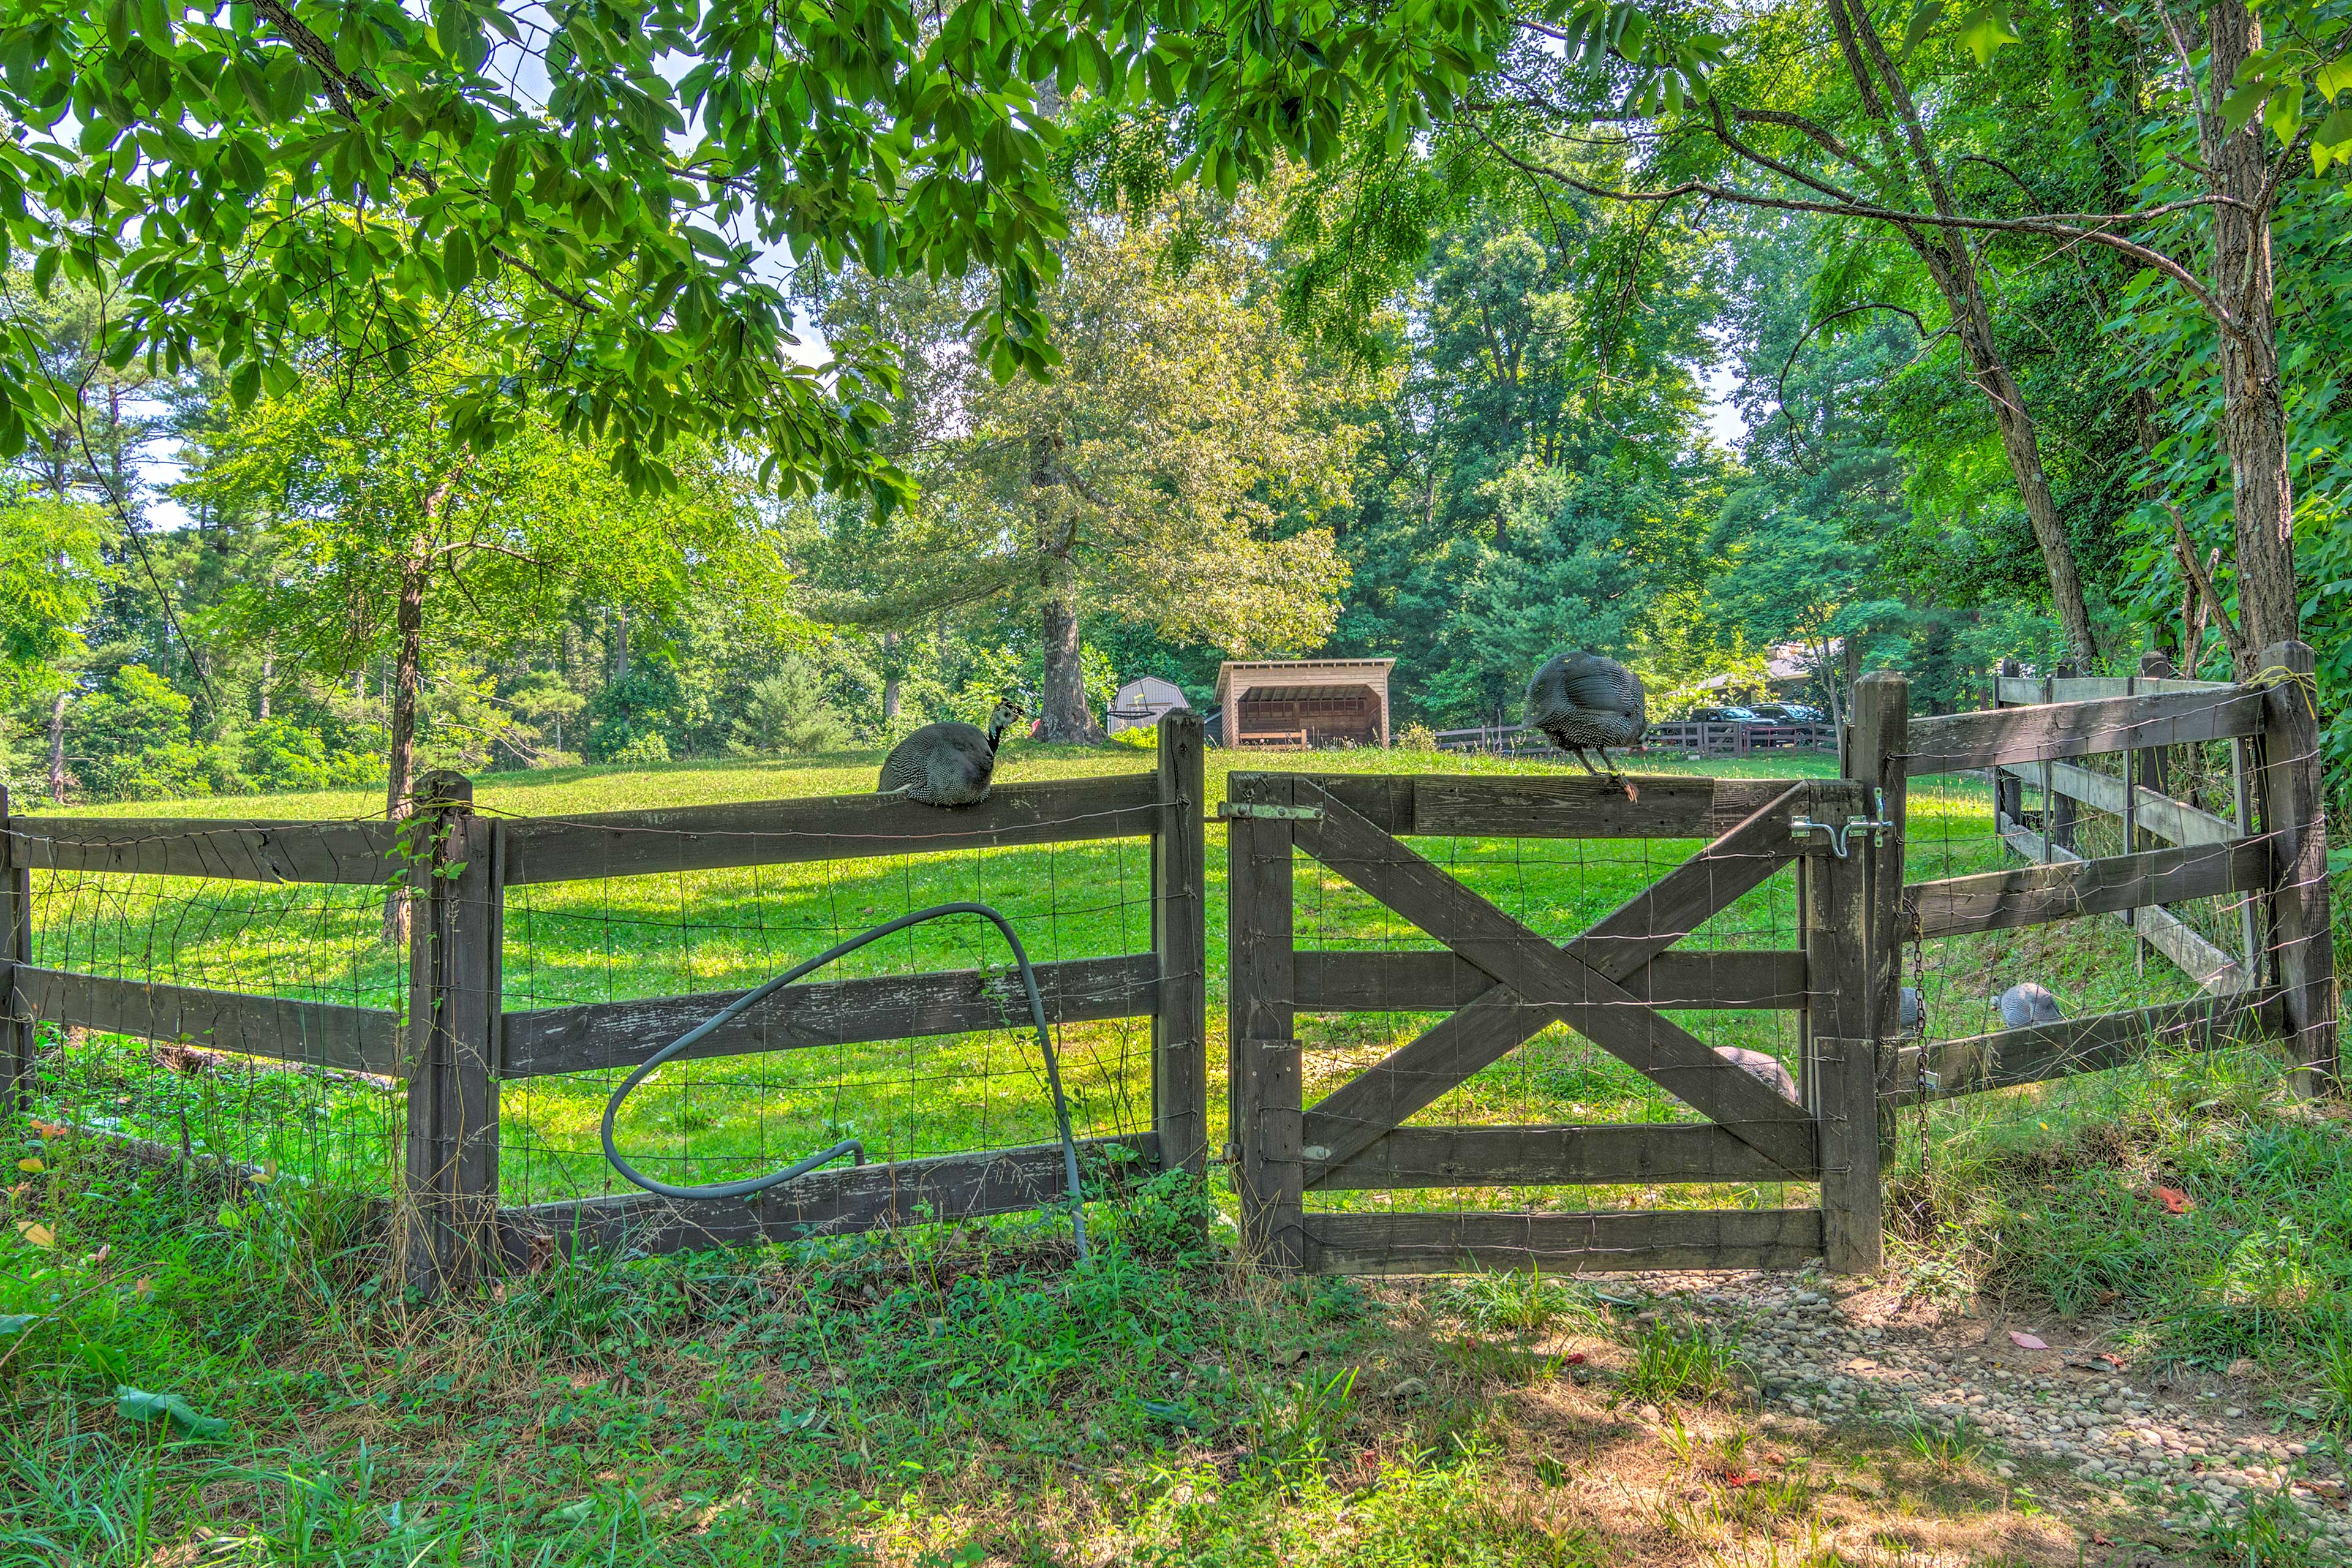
(223, 1017)
(851, 1059)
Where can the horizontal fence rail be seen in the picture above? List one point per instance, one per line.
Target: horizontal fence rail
(839, 827)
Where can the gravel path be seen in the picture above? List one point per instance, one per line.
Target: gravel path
(1838, 1357)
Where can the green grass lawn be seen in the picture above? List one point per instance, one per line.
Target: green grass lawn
(680, 933)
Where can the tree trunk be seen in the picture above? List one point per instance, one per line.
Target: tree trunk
(1066, 711)
(620, 644)
(268, 673)
(1952, 267)
(57, 748)
(891, 676)
(2253, 419)
(410, 627)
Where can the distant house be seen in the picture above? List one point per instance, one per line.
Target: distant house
(1304, 702)
(1141, 702)
(1790, 667)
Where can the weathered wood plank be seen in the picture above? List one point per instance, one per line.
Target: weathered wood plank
(598, 1035)
(1438, 981)
(240, 850)
(2173, 821)
(312, 1034)
(1572, 805)
(1949, 1068)
(1956, 742)
(2294, 815)
(2034, 895)
(1545, 982)
(1563, 1243)
(1541, 1156)
(1180, 1025)
(834, 827)
(832, 1201)
(2214, 970)
(17, 1045)
(450, 1156)
(1850, 966)
(1263, 1057)
(2089, 687)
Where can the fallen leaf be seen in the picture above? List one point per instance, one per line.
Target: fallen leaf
(1573, 1358)
(1742, 1478)
(38, 1234)
(1774, 1456)
(49, 1129)
(2112, 1359)
(2174, 1200)
(31, 1167)
(2098, 1539)
(2025, 1341)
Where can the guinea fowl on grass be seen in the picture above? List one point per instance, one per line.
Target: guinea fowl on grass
(2027, 1003)
(1584, 702)
(949, 763)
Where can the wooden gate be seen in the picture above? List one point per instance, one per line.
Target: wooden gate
(1504, 982)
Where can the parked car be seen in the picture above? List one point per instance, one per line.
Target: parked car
(1786, 712)
(1726, 716)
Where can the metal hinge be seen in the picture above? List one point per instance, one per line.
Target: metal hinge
(1231, 810)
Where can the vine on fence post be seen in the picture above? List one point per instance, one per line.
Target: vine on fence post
(448, 1217)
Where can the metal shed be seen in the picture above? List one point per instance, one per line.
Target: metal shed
(1305, 701)
(1140, 703)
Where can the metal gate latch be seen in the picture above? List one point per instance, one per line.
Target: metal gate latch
(1877, 827)
(1230, 810)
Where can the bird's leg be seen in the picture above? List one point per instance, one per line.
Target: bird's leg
(1585, 762)
(1618, 779)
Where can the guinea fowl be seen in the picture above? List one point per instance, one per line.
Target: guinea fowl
(1583, 703)
(2027, 1003)
(951, 762)
(1765, 1070)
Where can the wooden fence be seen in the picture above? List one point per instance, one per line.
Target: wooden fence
(1496, 982)
(1707, 740)
(2269, 856)
(457, 1043)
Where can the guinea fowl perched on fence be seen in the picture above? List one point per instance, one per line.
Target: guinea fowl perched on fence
(1583, 703)
(949, 763)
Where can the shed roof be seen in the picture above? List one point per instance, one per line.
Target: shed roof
(1243, 675)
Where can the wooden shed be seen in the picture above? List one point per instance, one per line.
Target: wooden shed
(1305, 701)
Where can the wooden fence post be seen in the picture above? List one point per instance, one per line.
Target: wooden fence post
(2008, 789)
(16, 1041)
(1180, 1029)
(449, 1221)
(2294, 815)
(1262, 1055)
(1852, 954)
(2057, 810)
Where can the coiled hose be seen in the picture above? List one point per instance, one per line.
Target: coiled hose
(850, 1146)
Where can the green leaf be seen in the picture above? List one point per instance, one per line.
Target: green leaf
(1922, 21)
(1985, 29)
(16, 1322)
(2334, 77)
(138, 1404)
(2284, 113)
(457, 259)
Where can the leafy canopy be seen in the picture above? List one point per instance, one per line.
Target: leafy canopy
(268, 174)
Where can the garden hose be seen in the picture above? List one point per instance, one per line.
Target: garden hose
(850, 1146)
